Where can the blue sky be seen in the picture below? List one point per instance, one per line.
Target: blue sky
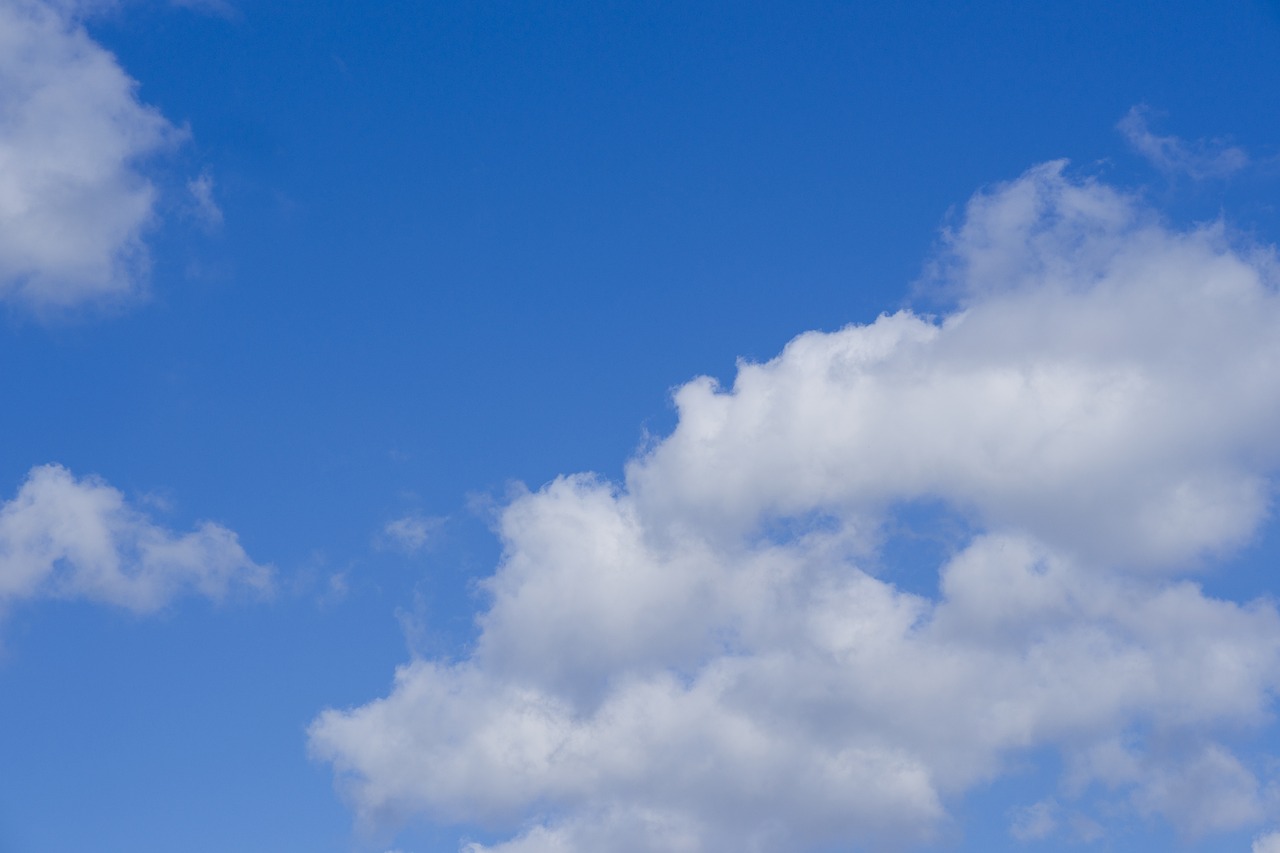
(314, 314)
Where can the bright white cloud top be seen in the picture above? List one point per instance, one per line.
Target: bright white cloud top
(73, 202)
(63, 537)
(712, 656)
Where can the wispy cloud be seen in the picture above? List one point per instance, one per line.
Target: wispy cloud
(1174, 156)
(660, 669)
(409, 533)
(1035, 822)
(203, 205)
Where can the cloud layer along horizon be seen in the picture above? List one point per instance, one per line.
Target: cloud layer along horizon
(73, 202)
(63, 537)
(719, 655)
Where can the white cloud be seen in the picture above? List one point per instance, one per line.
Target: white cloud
(1269, 843)
(73, 202)
(64, 537)
(702, 658)
(1169, 154)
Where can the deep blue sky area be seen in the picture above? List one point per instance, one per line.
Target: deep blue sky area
(470, 245)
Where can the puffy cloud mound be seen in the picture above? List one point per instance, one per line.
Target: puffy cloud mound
(73, 203)
(714, 655)
(68, 538)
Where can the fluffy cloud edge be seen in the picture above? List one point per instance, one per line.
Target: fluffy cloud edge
(76, 199)
(78, 538)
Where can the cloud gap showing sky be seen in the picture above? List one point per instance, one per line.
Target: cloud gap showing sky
(653, 674)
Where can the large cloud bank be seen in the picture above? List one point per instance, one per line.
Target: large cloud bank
(63, 537)
(715, 656)
(73, 136)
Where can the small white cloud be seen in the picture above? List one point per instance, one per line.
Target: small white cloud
(410, 533)
(1169, 154)
(1269, 843)
(63, 537)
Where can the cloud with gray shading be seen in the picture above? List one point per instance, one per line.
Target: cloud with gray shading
(659, 668)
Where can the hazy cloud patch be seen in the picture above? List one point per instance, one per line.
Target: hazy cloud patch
(204, 207)
(1174, 156)
(410, 533)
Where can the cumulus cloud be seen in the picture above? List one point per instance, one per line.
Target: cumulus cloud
(1269, 843)
(1174, 156)
(714, 655)
(74, 203)
(63, 537)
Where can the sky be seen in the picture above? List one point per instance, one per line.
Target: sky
(645, 427)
